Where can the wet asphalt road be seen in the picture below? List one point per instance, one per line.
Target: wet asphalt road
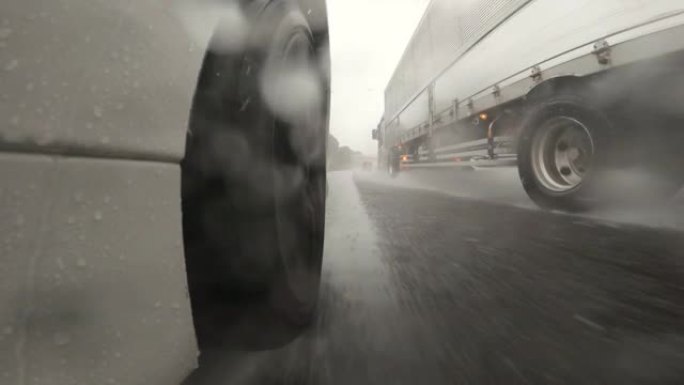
(422, 287)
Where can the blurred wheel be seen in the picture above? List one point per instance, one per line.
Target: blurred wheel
(659, 156)
(254, 174)
(562, 151)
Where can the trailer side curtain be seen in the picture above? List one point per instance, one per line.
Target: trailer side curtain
(448, 29)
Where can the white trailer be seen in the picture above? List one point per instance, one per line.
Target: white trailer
(564, 89)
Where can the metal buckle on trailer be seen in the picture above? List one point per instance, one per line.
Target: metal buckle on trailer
(454, 108)
(602, 52)
(496, 91)
(536, 74)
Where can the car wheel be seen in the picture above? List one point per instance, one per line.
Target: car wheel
(254, 176)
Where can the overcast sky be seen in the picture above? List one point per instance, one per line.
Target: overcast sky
(367, 39)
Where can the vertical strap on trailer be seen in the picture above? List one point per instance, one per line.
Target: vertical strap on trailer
(431, 121)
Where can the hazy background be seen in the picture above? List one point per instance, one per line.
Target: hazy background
(368, 38)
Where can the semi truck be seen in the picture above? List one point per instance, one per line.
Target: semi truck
(569, 92)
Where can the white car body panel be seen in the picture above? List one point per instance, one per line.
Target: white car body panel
(110, 77)
(93, 285)
(94, 288)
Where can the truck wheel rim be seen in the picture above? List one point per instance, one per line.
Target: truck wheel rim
(562, 154)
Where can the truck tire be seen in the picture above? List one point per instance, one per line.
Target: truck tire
(660, 158)
(564, 147)
(392, 168)
(254, 176)
(393, 165)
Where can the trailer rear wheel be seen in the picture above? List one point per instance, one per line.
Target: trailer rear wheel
(656, 144)
(393, 165)
(563, 149)
(664, 178)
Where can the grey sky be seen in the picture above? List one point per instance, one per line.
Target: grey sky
(367, 40)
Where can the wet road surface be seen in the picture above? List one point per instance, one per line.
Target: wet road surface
(422, 287)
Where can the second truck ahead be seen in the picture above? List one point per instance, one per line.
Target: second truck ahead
(568, 91)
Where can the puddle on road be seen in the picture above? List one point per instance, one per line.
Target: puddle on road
(502, 186)
(359, 310)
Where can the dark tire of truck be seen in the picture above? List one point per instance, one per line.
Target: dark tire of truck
(564, 146)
